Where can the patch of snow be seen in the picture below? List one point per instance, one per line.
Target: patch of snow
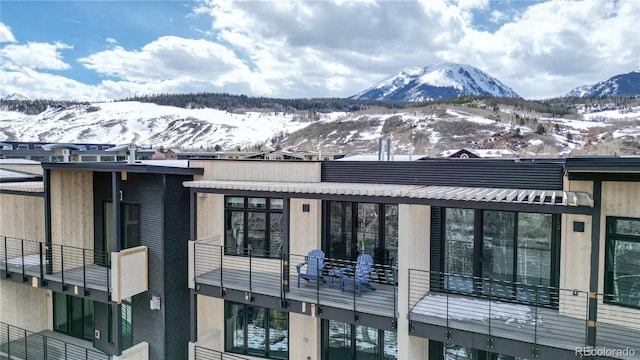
(536, 142)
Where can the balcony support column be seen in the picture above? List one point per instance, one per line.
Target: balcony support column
(46, 179)
(193, 315)
(595, 263)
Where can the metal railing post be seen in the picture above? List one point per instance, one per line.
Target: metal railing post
(250, 274)
(84, 271)
(26, 355)
(6, 259)
(41, 264)
(45, 346)
(222, 249)
(62, 266)
(22, 258)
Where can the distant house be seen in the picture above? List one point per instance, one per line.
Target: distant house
(477, 153)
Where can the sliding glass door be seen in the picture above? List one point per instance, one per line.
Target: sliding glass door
(503, 254)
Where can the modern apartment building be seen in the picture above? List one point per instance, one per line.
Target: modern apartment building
(472, 259)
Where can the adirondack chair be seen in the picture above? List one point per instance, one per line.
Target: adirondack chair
(315, 264)
(361, 273)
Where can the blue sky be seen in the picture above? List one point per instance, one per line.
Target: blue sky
(103, 50)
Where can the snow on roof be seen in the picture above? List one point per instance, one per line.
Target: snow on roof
(374, 157)
(168, 163)
(19, 162)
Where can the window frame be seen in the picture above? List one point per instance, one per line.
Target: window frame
(245, 350)
(610, 241)
(549, 295)
(380, 347)
(268, 210)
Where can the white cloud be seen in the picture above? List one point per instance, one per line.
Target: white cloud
(5, 33)
(338, 48)
(34, 55)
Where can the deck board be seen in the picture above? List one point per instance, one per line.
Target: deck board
(379, 302)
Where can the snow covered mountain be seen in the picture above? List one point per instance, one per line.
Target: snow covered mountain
(16, 97)
(439, 81)
(580, 91)
(421, 130)
(146, 124)
(623, 84)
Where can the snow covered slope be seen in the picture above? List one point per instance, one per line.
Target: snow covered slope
(439, 81)
(145, 124)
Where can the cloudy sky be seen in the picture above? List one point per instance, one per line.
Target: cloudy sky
(103, 50)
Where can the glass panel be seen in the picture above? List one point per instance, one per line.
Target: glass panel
(278, 334)
(234, 238)
(257, 233)
(107, 230)
(275, 235)
(498, 231)
(390, 345)
(367, 228)
(458, 249)
(130, 226)
(256, 330)
(235, 202)
(339, 341)
(76, 316)
(626, 272)
(276, 204)
(366, 342)
(127, 323)
(234, 337)
(391, 233)
(534, 255)
(257, 203)
(628, 227)
(340, 230)
(60, 312)
(457, 352)
(88, 319)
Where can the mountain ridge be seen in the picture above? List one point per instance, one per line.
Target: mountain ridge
(436, 81)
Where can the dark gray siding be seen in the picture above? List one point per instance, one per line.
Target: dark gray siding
(523, 174)
(147, 191)
(176, 237)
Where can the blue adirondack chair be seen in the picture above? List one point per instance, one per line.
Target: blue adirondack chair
(361, 274)
(315, 264)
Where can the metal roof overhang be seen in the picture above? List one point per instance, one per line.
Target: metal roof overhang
(33, 188)
(551, 201)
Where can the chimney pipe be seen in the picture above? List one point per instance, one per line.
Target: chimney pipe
(380, 149)
(388, 148)
(132, 154)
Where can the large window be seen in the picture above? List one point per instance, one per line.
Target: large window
(342, 341)
(622, 266)
(73, 316)
(256, 331)
(500, 253)
(362, 228)
(254, 225)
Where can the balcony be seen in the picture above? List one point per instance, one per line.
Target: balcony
(539, 315)
(17, 343)
(272, 282)
(203, 353)
(73, 270)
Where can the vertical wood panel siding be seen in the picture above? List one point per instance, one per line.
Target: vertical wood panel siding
(539, 174)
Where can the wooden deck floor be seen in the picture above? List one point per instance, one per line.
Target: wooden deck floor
(96, 276)
(379, 302)
(542, 326)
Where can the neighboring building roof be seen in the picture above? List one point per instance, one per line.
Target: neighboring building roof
(175, 167)
(28, 186)
(64, 146)
(19, 162)
(374, 157)
(481, 153)
(124, 147)
(604, 164)
(7, 175)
